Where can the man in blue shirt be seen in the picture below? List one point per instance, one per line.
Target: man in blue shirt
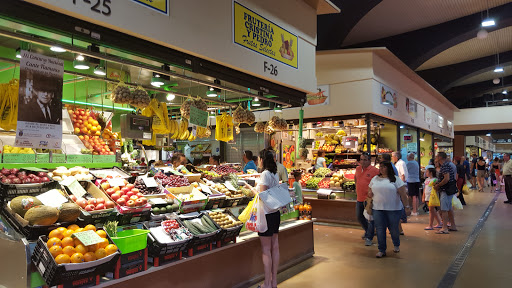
(249, 164)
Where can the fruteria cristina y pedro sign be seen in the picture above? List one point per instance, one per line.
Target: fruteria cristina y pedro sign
(263, 36)
(161, 6)
(39, 102)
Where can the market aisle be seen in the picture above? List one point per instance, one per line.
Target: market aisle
(342, 260)
(488, 264)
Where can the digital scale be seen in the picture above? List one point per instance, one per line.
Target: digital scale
(136, 127)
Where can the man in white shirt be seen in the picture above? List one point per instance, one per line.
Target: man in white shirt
(400, 165)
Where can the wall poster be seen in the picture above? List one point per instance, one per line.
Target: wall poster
(319, 98)
(412, 107)
(40, 102)
(428, 115)
(388, 96)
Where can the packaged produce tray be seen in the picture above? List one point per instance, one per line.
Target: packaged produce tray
(10, 191)
(31, 232)
(197, 204)
(226, 235)
(56, 274)
(157, 249)
(203, 241)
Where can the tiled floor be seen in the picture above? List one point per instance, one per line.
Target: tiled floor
(342, 260)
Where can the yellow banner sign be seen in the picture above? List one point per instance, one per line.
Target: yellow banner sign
(263, 36)
(161, 6)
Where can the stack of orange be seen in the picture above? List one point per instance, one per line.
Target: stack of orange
(66, 249)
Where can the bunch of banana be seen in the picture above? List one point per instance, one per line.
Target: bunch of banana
(202, 132)
(173, 126)
(182, 132)
(9, 104)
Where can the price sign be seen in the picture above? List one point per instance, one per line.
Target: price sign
(88, 237)
(58, 158)
(103, 158)
(43, 158)
(229, 186)
(116, 182)
(52, 198)
(79, 158)
(74, 187)
(205, 188)
(19, 158)
(198, 117)
(150, 182)
(324, 191)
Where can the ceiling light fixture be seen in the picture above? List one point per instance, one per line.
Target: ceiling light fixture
(496, 81)
(422, 139)
(482, 34)
(18, 53)
(488, 22)
(505, 100)
(211, 93)
(170, 97)
(57, 49)
(278, 109)
(505, 92)
(156, 80)
(212, 114)
(211, 89)
(488, 134)
(81, 63)
(402, 126)
(100, 70)
(498, 69)
(256, 102)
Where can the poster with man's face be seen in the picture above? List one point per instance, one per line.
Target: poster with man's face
(40, 102)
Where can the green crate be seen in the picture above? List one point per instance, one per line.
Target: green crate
(132, 240)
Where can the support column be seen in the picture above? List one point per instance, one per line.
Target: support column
(459, 145)
(301, 122)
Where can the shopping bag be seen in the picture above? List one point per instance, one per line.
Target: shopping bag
(456, 203)
(468, 184)
(434, 199)
(275, 197)
(257, 221)
(244, 216)
(465, 190)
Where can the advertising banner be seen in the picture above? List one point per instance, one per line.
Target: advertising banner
(263, 36)
(319, 98)
(40, 102)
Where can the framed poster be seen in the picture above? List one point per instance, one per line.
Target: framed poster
(412, 107)
(388, 96)
(319, 98)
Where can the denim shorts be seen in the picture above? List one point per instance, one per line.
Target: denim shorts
(446, 202)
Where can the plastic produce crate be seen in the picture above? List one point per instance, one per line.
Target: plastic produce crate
(30, 232)
(202, 242)
(164, 252)
(64, 274)
(130, 263)
(10, 191)
(131, 240)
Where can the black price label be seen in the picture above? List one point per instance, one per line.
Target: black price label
(270, 68)
(98, 6)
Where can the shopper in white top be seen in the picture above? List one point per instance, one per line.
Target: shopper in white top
(388, 193)
(400, 165)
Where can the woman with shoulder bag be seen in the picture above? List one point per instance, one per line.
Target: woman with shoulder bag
(388, 193)
(269, 238)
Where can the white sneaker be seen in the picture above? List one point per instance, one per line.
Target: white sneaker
(414, 214)
(368, 242)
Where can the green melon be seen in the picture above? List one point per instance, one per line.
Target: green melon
(22, 204)
(69, 212)
(42, 215)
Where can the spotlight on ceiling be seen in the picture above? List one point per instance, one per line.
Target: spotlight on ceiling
(80, 57)
(57, 49)
(156, 80)
(170, 97)
(18, 53)
(211, 93)
(100, 70)
(81, 63)
(498, 69)
(488, 134)
(482, 34)
(488, 22)
(496, 81)
(256, 102)
(278, 109)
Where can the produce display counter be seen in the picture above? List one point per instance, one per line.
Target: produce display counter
(234, 265)
(341, 211)
(55, 165)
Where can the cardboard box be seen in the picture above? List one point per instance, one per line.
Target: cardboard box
(197, 204)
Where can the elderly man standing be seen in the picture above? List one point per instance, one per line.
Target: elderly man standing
(364, 174)
(507, 176)
(400, 165)
(413, 182)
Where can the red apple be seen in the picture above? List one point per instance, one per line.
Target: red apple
(110, 191)
(130, 203)
(115, 196)
(125, 189)
(105, 185)
(109, 204)
(134, 197)
(100, 201)
(121, 201)
(144, 200)
(92, 201)
(89, 207)
(82, 202)
(135, 190)
(130, 186)
(139, 202)
(100, 206)
(73, 197)
(140, 195)
(130, 193)
(125, 197)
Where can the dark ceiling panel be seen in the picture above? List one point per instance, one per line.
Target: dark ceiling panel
(464, 96)
(333, 28)
(445, 77)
